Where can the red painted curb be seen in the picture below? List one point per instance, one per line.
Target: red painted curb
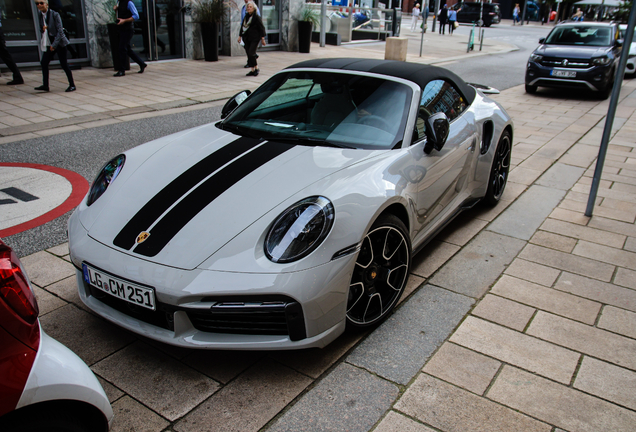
(80, 188)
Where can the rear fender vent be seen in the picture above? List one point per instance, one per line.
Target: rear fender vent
(486, 136)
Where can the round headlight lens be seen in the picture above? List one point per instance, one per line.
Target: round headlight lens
(299, 230)
(106, 176)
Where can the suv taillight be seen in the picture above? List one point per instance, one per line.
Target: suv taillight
(15, 290)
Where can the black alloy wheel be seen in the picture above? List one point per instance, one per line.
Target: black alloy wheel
(380, 274)
(499, 170)
(531, 89)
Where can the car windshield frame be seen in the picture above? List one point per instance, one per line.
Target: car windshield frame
(325, 107)
(580, 35)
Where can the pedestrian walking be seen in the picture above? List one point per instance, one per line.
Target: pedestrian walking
(452, 20)
(424, 14)
(515, 14)
(243, 12)
(442, 17)
(252, 32)
(415, 17)
(5, 55)
(126, 15)
(53, 41)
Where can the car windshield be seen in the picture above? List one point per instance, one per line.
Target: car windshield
(325, 108)
(580, 35)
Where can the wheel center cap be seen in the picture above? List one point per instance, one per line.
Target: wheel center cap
(372, 274)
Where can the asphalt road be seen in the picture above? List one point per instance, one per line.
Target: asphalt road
(500, 71)
(86, 151)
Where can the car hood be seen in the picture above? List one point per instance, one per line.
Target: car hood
(178, 204)
(570, 51)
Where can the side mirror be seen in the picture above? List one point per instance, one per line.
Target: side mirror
(542, 40)
(234, 102)
(437, 129)
(619, 43)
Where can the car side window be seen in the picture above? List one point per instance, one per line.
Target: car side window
(438, 96)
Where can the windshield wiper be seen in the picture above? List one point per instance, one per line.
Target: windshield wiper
(239, 130)
(308, 141)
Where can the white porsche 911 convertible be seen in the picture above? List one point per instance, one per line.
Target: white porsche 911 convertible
(295, 216)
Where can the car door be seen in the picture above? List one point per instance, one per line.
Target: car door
(445, 171)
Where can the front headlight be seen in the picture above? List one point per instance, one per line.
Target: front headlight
(299, 230)
(106, 176)
(536, 57)
(601, 61)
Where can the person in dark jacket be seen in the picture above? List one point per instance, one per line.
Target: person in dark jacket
(443, 18)
(5, 55)
(126, 14)
(252, 32)
(53, 41)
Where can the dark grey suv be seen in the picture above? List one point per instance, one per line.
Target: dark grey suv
(576, 55)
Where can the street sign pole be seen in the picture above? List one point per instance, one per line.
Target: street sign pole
(611, 112)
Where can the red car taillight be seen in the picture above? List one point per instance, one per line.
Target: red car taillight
(14, 286)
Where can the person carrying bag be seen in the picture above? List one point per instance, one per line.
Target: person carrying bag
(252, 32)
(53, 41)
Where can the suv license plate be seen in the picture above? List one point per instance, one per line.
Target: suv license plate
(124, 290)
(563, 74)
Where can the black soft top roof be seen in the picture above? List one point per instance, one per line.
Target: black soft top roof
(420, 74)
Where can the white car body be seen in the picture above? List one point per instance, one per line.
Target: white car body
(630, 66)
(59, 374)
(216, 260)
(43, 384)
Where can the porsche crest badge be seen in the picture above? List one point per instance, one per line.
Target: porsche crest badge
(142, 237)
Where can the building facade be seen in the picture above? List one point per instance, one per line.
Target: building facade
(164, 31)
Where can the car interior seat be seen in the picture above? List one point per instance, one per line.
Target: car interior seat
(334, 105)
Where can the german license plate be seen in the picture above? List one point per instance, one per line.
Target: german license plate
(122, 289)
(563, 74)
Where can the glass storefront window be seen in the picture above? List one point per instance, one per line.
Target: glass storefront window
(17, 20)
(72, 16)
(270, 11)
(20, 24)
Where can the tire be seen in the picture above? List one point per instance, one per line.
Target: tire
(606, 92)
(499, 170)
(380, 273)
(48, 424)
(531, 89)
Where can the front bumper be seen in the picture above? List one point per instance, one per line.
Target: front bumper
(187, 300)
(595, 78)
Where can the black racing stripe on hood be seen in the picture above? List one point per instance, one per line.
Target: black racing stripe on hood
(202, 196)
(180, 186)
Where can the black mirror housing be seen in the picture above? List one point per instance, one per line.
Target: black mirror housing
(234, 102)
(437, 130)
(542, 40)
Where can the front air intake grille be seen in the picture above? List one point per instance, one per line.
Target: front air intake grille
(565, 63)
(274, 315)
(264, 315)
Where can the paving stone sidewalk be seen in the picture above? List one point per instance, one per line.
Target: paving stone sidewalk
(517, 318)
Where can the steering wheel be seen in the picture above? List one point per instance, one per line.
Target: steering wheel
(375, 121)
